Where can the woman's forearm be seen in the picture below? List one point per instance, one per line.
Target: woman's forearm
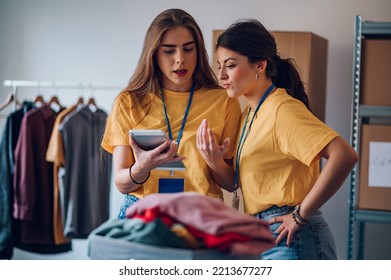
(341, 158)
(125, 183)
(224, 176)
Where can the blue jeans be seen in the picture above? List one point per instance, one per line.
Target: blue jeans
(128, 201)
(311, 242)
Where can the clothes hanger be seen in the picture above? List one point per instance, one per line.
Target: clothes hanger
(54, 99)
(92, 105)
(39, 98)
(7, 101)
(55, 104)
(38, 101)
(91, 101)
(80, 101)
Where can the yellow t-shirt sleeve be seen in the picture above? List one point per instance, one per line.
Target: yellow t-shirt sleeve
(118, 123)
(299, 134)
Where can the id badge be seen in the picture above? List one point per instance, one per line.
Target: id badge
(171, 185)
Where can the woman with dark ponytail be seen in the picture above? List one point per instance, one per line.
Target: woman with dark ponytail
(278, 151)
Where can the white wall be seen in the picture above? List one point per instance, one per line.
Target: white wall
(100, 41)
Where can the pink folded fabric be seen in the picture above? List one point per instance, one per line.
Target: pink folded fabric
(211, 216)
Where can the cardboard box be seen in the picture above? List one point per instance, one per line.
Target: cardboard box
(310, 54)
(105, 248)
(375, 73)
(373, 196)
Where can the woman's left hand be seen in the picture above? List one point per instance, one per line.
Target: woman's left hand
(212, 153)
(287, 228)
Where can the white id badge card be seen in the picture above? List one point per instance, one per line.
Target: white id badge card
(171, 185)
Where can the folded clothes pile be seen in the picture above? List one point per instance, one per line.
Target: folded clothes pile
(196, 221)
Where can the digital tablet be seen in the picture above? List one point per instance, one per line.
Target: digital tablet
(149, 139)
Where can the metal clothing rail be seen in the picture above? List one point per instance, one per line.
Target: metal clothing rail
(55, 84)
(16, 84)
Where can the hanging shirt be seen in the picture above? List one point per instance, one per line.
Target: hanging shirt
(55, 154)
(86, 175)
(6, 249)
(8, 141)
(33, 178)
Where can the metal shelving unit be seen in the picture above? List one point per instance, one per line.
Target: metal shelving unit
(358, 217)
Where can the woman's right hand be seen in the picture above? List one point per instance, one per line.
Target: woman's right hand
(141, 163)
(148, 160)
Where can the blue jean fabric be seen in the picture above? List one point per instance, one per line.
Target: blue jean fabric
(128, 201)
(311, 242)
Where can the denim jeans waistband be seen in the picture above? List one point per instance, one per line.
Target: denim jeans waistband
(279, 211)
(274, 211)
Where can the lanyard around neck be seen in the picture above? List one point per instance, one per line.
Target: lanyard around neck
(184, 117)
(245, 132)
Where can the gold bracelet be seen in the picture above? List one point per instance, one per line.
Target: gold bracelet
(134, 181)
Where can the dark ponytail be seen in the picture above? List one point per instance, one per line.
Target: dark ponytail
(289, 78)
(251, 39)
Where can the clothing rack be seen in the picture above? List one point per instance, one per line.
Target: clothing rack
(16, 84)
(96, 122)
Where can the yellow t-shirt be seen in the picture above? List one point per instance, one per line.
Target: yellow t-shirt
(223, 115)
(278, 163)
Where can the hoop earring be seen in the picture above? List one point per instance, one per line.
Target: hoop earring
(257, 76)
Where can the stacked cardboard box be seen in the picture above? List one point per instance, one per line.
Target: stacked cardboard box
(375, 86)
(375, 90)
(375, 186)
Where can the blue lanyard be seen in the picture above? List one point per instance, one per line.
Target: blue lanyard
(184, 117)
(244, 133)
